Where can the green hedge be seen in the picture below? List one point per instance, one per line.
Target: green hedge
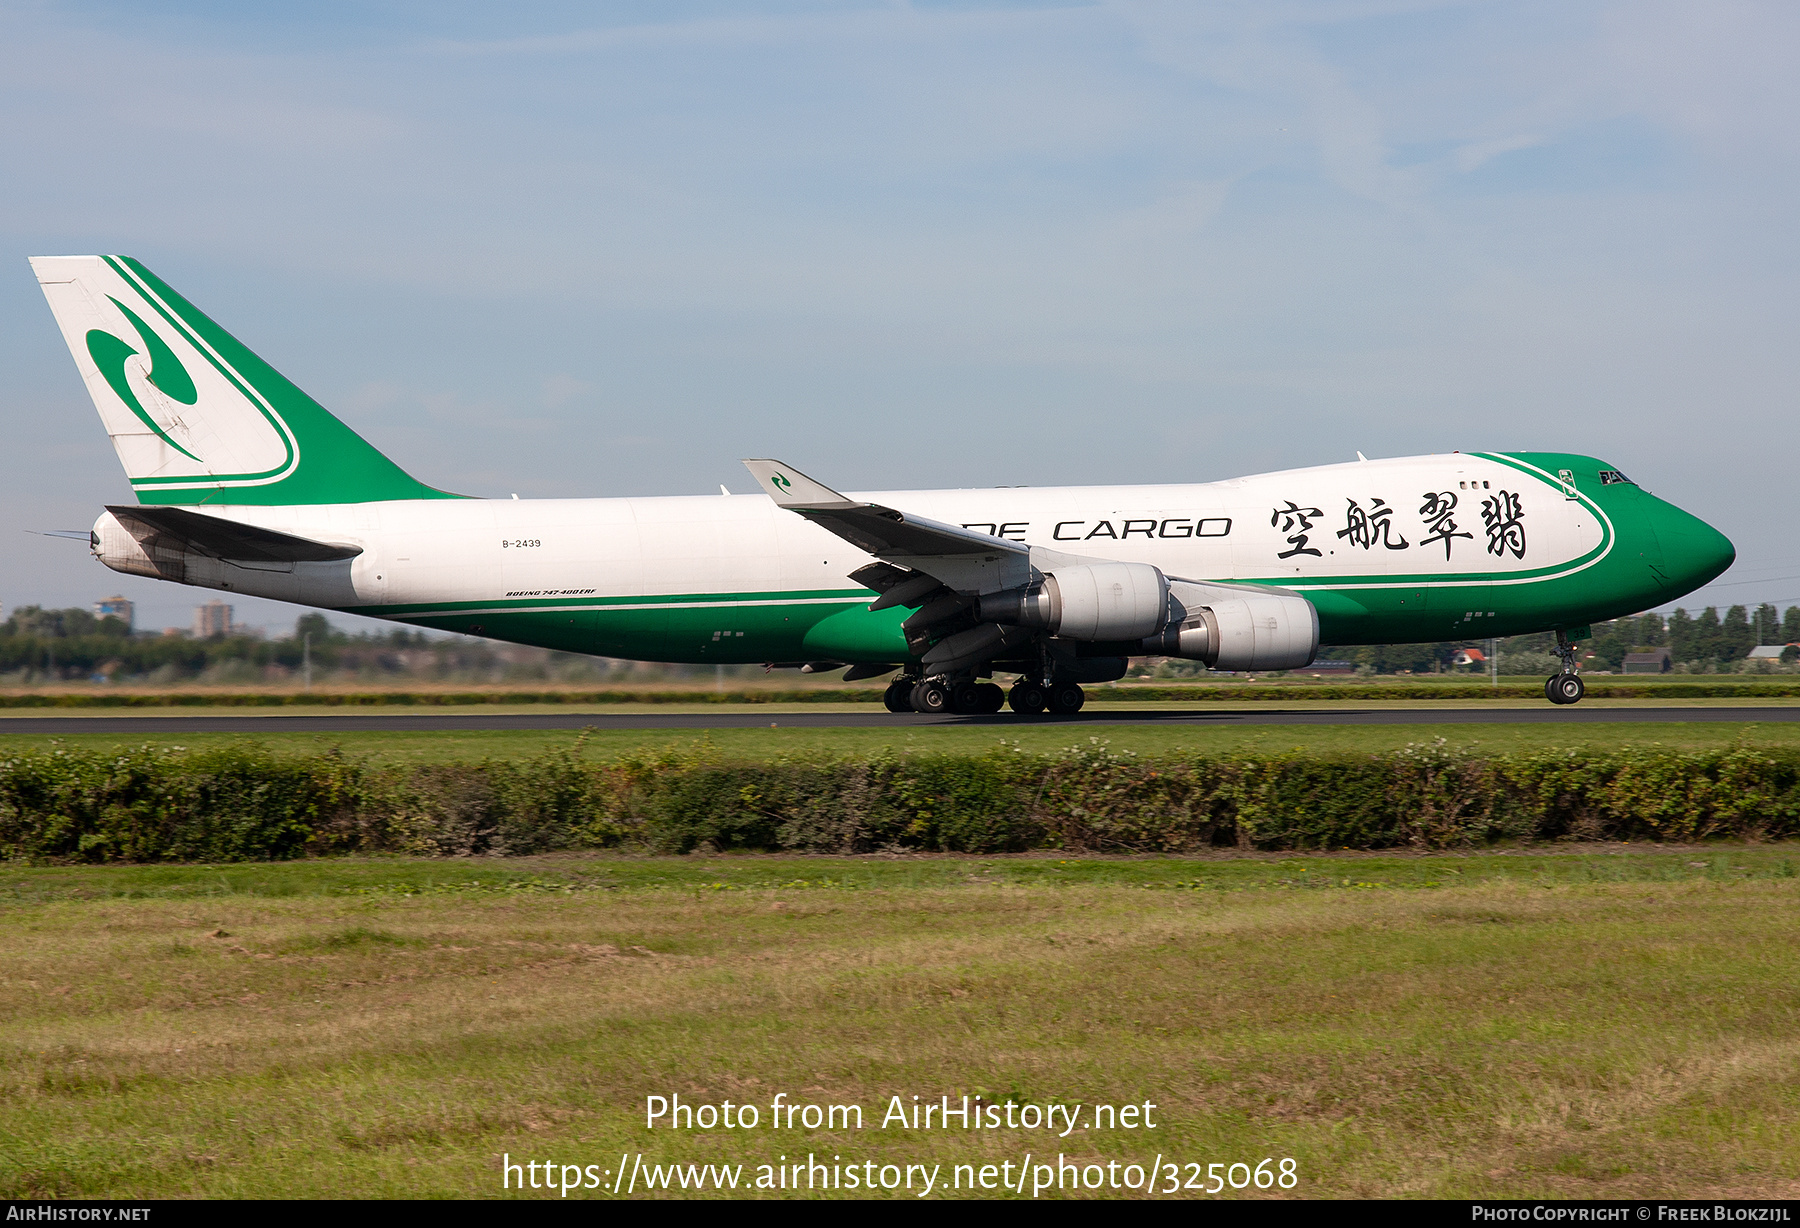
(245, 802)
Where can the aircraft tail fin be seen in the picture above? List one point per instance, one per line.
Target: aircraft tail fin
(194, 415)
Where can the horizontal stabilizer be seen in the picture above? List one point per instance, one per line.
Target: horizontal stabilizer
(228, 539)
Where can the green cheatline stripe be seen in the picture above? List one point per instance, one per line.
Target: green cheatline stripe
(516, 605)
(205, 352)
(1486, 578)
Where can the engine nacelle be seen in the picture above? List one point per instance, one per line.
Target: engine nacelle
(1248, 631)
(1096, 601)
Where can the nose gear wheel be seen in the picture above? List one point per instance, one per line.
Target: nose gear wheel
(1564, 688)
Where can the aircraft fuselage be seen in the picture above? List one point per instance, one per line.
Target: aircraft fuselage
(1463, 545)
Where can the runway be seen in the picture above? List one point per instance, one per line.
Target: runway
(874, 717)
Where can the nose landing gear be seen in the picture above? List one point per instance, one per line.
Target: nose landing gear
(1565, 687)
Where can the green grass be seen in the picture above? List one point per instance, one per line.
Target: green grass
(1614, 1023)
(564, 874)
(766, 743)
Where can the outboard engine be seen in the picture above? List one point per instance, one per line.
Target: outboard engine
(1237, 628)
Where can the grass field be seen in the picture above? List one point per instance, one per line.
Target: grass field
(1613, 1023)
(766, 743)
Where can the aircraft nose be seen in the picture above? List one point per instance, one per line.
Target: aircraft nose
(1694, 552)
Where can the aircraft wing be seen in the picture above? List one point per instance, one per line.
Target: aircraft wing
(958, 559)
(228, 539)
(870, 527)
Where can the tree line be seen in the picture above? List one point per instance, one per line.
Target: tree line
(42, 645)
(1706, 638)
(63, 645)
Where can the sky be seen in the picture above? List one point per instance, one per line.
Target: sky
(608, 249)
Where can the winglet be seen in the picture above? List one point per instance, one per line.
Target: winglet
(791, 488)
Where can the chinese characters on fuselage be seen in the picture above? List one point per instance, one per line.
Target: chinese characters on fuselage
(1374, 525)
(1296, 522)
(1438, 514)
(1504, 517)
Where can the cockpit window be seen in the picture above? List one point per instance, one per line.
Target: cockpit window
(1611, 477)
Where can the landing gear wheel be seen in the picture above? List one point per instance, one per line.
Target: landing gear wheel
(992, 698)
(1565, 689)
(1027, 698)
(1065, 699)
(931, 697)
(966, 698)
(898, 697)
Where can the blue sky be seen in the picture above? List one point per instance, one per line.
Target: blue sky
(609, 249)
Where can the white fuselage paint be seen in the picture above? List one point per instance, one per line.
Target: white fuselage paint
(424, 552)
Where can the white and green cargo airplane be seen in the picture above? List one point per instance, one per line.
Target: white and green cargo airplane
(247, 485)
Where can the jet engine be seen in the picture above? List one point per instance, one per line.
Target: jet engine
(1096, 601)
(1228, 627)
(1237, 628)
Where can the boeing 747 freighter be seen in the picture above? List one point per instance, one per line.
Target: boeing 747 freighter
(246, 485)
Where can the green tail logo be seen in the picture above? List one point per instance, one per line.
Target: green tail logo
(781, 481)
(166, 372)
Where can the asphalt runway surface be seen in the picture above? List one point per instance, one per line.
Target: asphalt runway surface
(461, 722)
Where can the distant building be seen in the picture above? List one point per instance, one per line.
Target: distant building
(1656, 661)
(115, 607)
(1768, 652)
(1469, 656)
(213, 618)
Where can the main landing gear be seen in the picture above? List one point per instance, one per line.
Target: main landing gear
(967, 698)
(1565, 687)
(971, 698)
(933, 695)
(1028, 698)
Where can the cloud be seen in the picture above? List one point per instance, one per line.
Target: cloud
(1478, 153)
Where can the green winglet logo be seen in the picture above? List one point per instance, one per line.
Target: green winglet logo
(781, 481)
(166, 372)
